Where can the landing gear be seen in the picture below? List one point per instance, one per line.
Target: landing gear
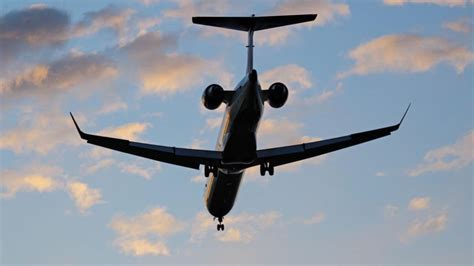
(220, 225)
(210, 169)
(264, 167)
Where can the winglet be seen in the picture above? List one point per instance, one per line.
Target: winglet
(403, 117)
(82, 134)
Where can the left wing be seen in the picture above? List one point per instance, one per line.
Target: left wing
(288, 154)
(190, 158)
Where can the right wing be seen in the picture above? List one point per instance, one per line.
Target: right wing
(190, 158)
(288, 154)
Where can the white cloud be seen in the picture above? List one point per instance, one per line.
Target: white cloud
(99, 165)
(407, 53)
(34, 178)
(144, 234)
(390, 210)
(317, 218)
(450, 3)
(419, 203)
(429, 225)
(84, 197)
(449, 157)
(380, 173)
(463, 24)
(239, 228)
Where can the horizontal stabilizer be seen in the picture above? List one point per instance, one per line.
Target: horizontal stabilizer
(253, 23)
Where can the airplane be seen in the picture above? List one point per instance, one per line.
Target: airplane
(236, 148)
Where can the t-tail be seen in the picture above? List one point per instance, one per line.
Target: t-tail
(252, 24)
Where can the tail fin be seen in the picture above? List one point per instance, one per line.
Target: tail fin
(253, 23)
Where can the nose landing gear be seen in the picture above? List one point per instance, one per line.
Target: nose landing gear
(220, 225)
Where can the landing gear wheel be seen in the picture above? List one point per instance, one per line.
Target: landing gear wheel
(220, 226)
(264, 167)
(210, 169)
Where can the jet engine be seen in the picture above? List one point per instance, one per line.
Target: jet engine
(213, 96)
(277, 94)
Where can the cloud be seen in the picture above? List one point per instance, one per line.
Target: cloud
(198, 179)
(111, 16)
(142, 247)
(32, 28)
(390, 210)
(164, 72)
(449, 157)
(113, 106)
(420, 203)
(144, 234)
(135, 169)
(380, 174)
(463, 25)
(429, 225)
(450, 3)
(129, 131)
(317, 218)
(241, 228)
(98, 165)
(39, 132)
(84, 197)
(407, 53)
(38, 178)
(292, 75)
(46, 80)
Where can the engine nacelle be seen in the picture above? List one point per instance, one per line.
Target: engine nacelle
(213, 96)
(277, 94)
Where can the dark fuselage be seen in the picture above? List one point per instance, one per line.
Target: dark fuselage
(237, 141)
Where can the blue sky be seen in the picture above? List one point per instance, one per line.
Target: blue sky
(137, 69)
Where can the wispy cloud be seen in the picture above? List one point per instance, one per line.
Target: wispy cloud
(84, 197)
(450, 3)
(317, 218)
(145, 233)
(292, 75)
(429, 225)
(407, 53)
(449, 157)
(419, 203)
(390, 210)
(463, 25)
(242, 228)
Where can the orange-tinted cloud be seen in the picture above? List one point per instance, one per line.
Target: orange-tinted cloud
(84, 197)
(463, 25)
(38, 178)
(450, 3)
(449, 157)
(407, 53)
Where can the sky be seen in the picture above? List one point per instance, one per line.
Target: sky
(137, 69)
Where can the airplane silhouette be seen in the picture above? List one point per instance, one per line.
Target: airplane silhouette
(236, 148)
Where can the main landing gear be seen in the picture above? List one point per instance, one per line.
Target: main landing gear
(266, 166)
(210, 169)
(220, 225)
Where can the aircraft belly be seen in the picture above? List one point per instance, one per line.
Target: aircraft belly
(222, 193)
